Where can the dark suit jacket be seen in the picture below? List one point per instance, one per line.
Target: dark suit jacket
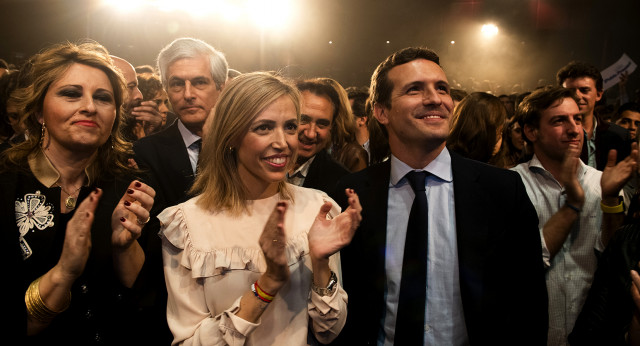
(324, 173)
(608, 136)
(501, 272)
(166, 166)
(165, 162)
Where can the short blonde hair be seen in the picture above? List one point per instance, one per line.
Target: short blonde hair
(218, 182)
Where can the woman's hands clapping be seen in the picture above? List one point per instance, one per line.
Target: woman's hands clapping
(131, 214)
(327, 237)
(272, 242)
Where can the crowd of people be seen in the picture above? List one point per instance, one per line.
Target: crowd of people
(185, 202)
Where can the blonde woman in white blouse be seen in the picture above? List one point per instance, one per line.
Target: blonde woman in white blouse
(252, 259)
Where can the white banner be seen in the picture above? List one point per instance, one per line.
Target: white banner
(611, 75)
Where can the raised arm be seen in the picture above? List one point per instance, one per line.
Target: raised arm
(50, 294)
(129, 216)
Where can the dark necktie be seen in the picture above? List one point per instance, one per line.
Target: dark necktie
(197, 145)
(413, 285)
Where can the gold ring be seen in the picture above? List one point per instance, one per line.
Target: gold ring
(275, 240)
(143, 223)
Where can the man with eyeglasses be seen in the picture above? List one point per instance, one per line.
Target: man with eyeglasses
(193, 74)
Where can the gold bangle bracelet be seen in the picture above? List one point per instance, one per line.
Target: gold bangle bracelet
(36, 306)
(612, 209)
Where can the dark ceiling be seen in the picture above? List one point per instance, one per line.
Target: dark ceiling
(536, 37)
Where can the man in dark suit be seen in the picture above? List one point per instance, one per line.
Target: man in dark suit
(484, 276)
(600, 136)
(315, 168)
(193, 73)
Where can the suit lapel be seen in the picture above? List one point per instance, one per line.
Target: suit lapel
(472, 231)
(177, 152)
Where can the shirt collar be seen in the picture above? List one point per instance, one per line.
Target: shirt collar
(187, 136)
(303, 170)
(44, 170)
(440, 167)
(535, 164)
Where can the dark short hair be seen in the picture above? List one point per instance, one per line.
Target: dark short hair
(578, 69)
(317, 87)
(458, 94)
(145, 69)
(629, 106)
(530, 109)
(381, 87)
(359, 95)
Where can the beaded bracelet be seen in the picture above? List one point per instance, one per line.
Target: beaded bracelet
(261, 294)
(36, 306)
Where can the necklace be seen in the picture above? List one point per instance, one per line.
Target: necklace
(71, 200)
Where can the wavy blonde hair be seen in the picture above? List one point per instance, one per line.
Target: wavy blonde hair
(47, 67)
(218, 182)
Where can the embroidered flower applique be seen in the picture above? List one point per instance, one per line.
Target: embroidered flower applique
(32, 212)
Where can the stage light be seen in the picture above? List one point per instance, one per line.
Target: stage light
(125, 5)
(274, 14)
(489, 30)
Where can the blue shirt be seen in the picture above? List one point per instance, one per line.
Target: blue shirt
(444, 319)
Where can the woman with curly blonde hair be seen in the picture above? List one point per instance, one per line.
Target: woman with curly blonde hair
(73, 202)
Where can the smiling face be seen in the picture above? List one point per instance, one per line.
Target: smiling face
(314, 132)
(420, 106)
(192, 91)
(560, 128)
(585, 88)
(79, 110)
(265, 152)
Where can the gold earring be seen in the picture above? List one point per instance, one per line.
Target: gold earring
(42, 135)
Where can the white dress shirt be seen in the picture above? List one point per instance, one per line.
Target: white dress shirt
(189, 138)
(444, 316)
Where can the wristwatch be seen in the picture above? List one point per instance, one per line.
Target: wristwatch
(331, 287)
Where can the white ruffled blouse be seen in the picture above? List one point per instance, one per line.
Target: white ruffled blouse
(212, 258)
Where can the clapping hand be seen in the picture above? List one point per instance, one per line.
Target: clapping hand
(272, 242)
(615, 176)
(327, 237)
(131, 214)
(77, 240)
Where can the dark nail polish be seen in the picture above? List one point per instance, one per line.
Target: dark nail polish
(138, 184)
(123, 219)
(127, 203)
(129, 191)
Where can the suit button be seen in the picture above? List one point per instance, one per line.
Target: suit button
(88, 314)
(84, 289)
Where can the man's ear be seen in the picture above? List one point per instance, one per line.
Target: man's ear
(361, 121)
(381, 114)
(599, 94)
(531, 133)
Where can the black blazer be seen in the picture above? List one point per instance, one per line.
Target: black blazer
(608, 136)
(501, 272)
(324, 173)
(166, 166)
(165, 163)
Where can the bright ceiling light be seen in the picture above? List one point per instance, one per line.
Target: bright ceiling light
(274, 14)
(489, 30)
(125, 5)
